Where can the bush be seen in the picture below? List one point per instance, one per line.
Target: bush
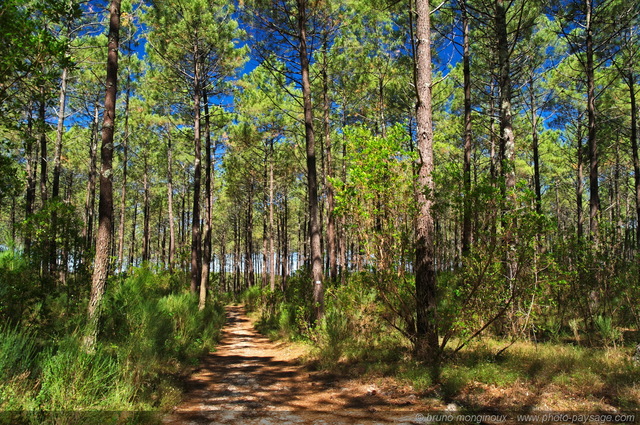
(354, 324)
(252, 298)
(606, 329)
(19, 287)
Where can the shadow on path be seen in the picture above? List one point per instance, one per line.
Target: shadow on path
(250, 379)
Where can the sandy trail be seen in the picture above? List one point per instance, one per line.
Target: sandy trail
(252, 380)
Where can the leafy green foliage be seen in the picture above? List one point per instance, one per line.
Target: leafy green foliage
(286, 314)
(10, 186)
(67, 233)
(567, 287)
(376, 196)
(19, 287)
(608, 332)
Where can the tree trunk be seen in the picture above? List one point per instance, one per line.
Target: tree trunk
(594, 198)
(64, 264)
(426, 338)
(31, 170)
(615, 208)
(162, 244)
(331, 217)
(125, 160)
(206, 255)
(43, 147)
(536, 148)
(57, 168)
(312, 180)
(579, 187)
(279, 246)
(132, 243)
(507, 139)
(271, 262)
(285, 242)
(634, 150)
(90, 200)
(183, 211)
(507, 153)
(146, 211)
(223, 262)
(466, 70)
(493, 173)
(265, 218)
(265, 245)
(236, 255)
(172, 227)
(249, 265)
(196, 252)
(342, 242)
(101, 264)
(159, 239)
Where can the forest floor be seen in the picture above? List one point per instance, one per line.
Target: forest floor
(250, 379)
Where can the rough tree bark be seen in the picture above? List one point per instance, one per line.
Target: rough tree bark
(634, 149)
(90, 200)
(594, 197)
(196, 251)
(312, 179)
(426, 338)
(536, 147)
(271, 262)
(206, 254)
(146, 210)
(507, 151)
(331, 217)
(631, 81)
(31, 170)
(125, 159)
(43, 146)
(172, 226)
(466, 71)
(579, 186)
(285, 241)
(105, 212)
(57, 159)
(57, 167)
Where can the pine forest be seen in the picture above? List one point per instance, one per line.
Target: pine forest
(435, 204)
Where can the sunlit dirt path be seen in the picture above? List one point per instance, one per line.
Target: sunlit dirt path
(252, 380)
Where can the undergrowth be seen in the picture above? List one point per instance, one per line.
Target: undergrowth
(356, 338)
(148, 337)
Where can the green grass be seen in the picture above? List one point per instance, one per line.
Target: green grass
(149, 337)
(595, 375)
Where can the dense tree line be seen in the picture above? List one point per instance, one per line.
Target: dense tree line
(477, 159)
